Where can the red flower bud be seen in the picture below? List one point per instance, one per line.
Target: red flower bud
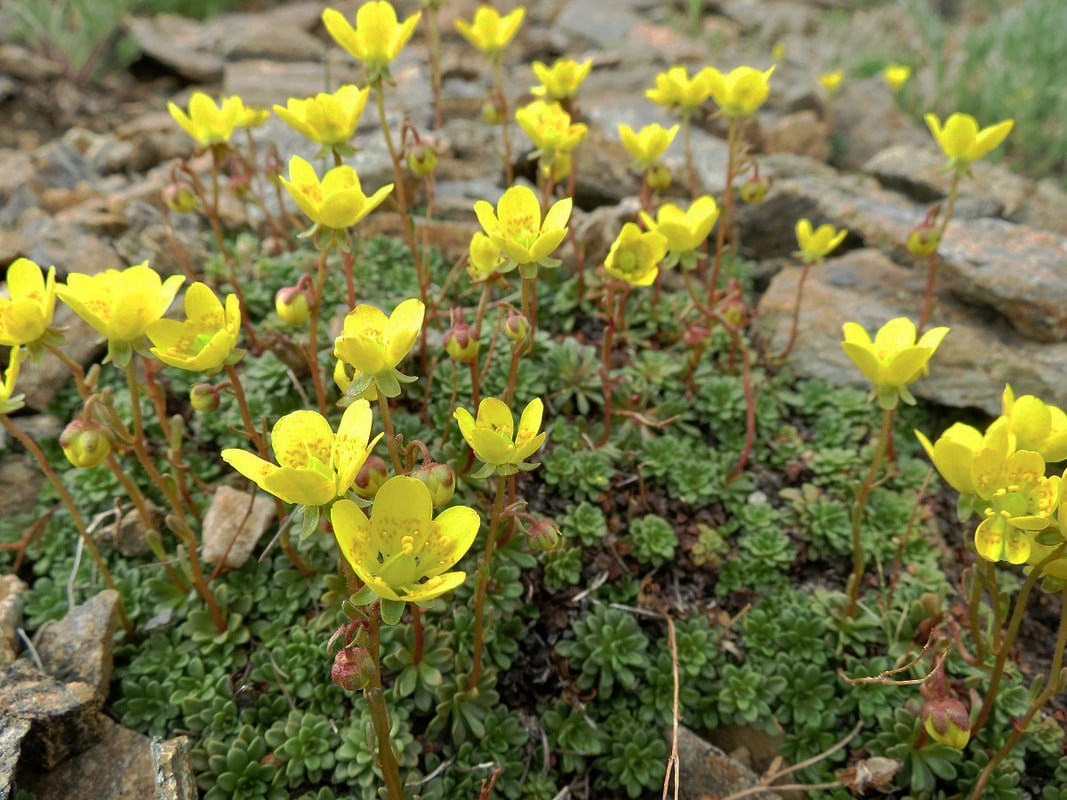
(353, 669)
(85, 443)
(440, 479)
(371, 475)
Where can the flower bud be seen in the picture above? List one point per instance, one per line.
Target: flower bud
(85, 443)
(292, 305)
(461, 340)
(543, 535)
(923, 239)
(180, 197)
(947, 722)
(659, 177)
(371, 475)
(204, 398)
(695, 336)
(754, 189)
(422, 160)
(439, 479)
(491, 113)
(239, 183)
(516, 326)
(353, 669)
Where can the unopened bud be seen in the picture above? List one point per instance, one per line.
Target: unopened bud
(516, 326)
(353, 669)
(292, 305)
(754, 189)
(659, 177)
(239, 183)
(923, 239)
(85, 443)
(947, 722)
(204, 398)
(180, 197)
(543, 535)
(440, 479)
(422, 160)
(695, 336)
(371, 475)
(491, 113)
(461, 341)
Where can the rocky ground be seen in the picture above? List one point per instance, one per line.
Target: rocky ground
(81, 172)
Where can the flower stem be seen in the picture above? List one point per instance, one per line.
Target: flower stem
(390, 434)
(856, 578)
(375, 698)
(502, 107)
(1009, 638)
(315, 310)
(796, 313)
(1053, 685)
(605, 356)
(727, 218)
(481, 580)
(690, 171)
(434, 39)
(934, 263)
(79, 521)
(246, 415)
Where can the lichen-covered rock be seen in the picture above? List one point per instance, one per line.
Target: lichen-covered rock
(11, 602)
(79, 647)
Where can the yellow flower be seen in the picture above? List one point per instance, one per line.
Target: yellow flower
(9, 401)
(490, 32)
(485, 258)
(402, 552)
(337, 201)
(315, 465)
(550, 129)
(562, 80)
(517, 229)
(373, 345)
(647, 146)
(253, 117)
(209, 123)
(1057, 568)
(831, 81)
(120, 304)
(377, 38)
(896, 75)
(675, 90)
(635, 256)
(814, 247)
(329, 119)
(740, 92)
(963, 142)
(1020, 501)
(894, 359)
(493, 437)
(1036, 425)
(685, 230)
(205, 341)
(955, 451)
(26, 316)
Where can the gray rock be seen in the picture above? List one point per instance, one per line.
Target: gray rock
(66, 245)
(919, 173)
(22, 479)
(12, 733)
(979, 355)
(614, 22)
(233, 525)
(11, 602)
(59, 164)
(869, 120)
(127, 534)
(706, 771)
(118, 767)
(801, 132)
(174, 776)
(62, 717)
(178, 43)
(79, 647)
(261, 82)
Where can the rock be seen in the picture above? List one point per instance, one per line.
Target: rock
(706, 771)
(59, 164)
(148, 238)
(127, 534)
(233, 525)
(118, 767)
(1012, 268)
(918, 172)
(79, 647)
(595, 230)
(66, 245)
(615, 22)
(104, 152)
(178, 43)
(11, 601)
(22, 479)
(263, 83)
(979, 355)
(801, 132)
(869, 121)
(12, 734)
(451, 236)
(62, 717)
(174, 776)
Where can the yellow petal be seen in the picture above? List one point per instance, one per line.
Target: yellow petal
(300, 436)
(305, 487)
